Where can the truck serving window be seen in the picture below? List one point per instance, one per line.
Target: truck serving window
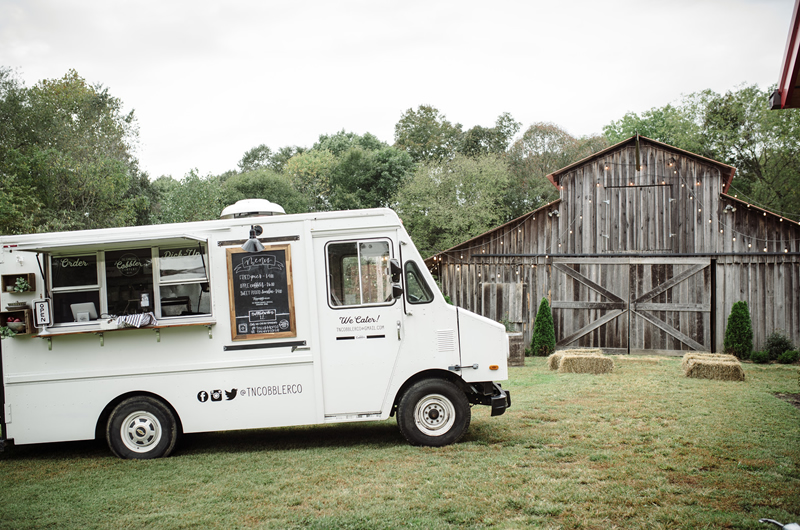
(183, 282)
(358, 273)
(169, 282)
(75, 288)
(129, 280)
(417, 291)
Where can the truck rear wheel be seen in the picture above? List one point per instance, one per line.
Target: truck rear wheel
(433, 412)
(141, 428)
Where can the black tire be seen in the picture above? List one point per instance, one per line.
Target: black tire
(141, 428)
(433, 412)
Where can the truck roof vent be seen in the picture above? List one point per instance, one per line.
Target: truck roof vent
(252, 208)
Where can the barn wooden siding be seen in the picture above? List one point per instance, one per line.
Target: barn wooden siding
(635, 260)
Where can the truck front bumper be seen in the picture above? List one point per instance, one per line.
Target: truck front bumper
(492, 395)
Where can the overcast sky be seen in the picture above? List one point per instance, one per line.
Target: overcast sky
(211, 79)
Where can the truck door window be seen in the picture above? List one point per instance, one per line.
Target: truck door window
(358, 273)
(417, 291)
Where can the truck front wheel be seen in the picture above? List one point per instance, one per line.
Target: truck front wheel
(141, 428)
(433, 412)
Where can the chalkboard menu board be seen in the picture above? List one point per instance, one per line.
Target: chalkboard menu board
(260, 292)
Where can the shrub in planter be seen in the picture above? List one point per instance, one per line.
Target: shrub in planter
(739, 331)
(760, 357)
(777, 343)
(789, 357)
(544, 334)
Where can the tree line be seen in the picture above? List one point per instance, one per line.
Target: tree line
(67, 162)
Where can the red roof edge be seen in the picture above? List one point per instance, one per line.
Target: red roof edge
(789, 68)
(728, 180)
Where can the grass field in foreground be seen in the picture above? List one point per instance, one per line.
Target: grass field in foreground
(643, 447)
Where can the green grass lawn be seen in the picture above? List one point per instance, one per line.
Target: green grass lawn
(642, 447)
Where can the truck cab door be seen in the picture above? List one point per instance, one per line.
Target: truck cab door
(431, 325)
(360, 323)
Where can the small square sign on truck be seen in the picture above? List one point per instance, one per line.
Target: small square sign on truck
(254, 320)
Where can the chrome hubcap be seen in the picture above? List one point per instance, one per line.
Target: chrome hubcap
(141, 431)
(434, 415)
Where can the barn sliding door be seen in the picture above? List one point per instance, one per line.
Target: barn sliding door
(590, 302)
(632, 304)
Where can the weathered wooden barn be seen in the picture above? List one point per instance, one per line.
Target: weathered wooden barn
(644, 250)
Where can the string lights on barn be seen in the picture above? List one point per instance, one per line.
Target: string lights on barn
(693, 187)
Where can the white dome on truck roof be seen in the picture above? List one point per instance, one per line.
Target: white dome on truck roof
(251, 208)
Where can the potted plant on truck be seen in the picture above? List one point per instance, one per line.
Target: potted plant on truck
(21, 285)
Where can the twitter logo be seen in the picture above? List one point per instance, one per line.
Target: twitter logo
(230, 395)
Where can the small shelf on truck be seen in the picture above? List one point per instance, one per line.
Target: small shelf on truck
(10, 280)
(24, 316)
(56, 332)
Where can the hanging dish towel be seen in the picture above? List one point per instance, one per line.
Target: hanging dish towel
(138, 320)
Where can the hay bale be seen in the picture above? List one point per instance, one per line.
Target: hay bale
(707, 357)
(585, 364)
(554, 360)
(715, 369)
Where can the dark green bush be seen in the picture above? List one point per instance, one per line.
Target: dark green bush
(739, 332)
(544, 334)
(777, 343)
(760, 357)
(789, 357)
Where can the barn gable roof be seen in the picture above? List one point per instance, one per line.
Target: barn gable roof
(758, 209)
(726, 170)
(468, 243)
(747, 223)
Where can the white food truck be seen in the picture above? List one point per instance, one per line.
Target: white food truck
(255, 320)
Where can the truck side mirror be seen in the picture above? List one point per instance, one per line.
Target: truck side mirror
(397, 290)
(396, 270)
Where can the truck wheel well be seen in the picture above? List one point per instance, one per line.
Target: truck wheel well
(427, 374)
(102, 420)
